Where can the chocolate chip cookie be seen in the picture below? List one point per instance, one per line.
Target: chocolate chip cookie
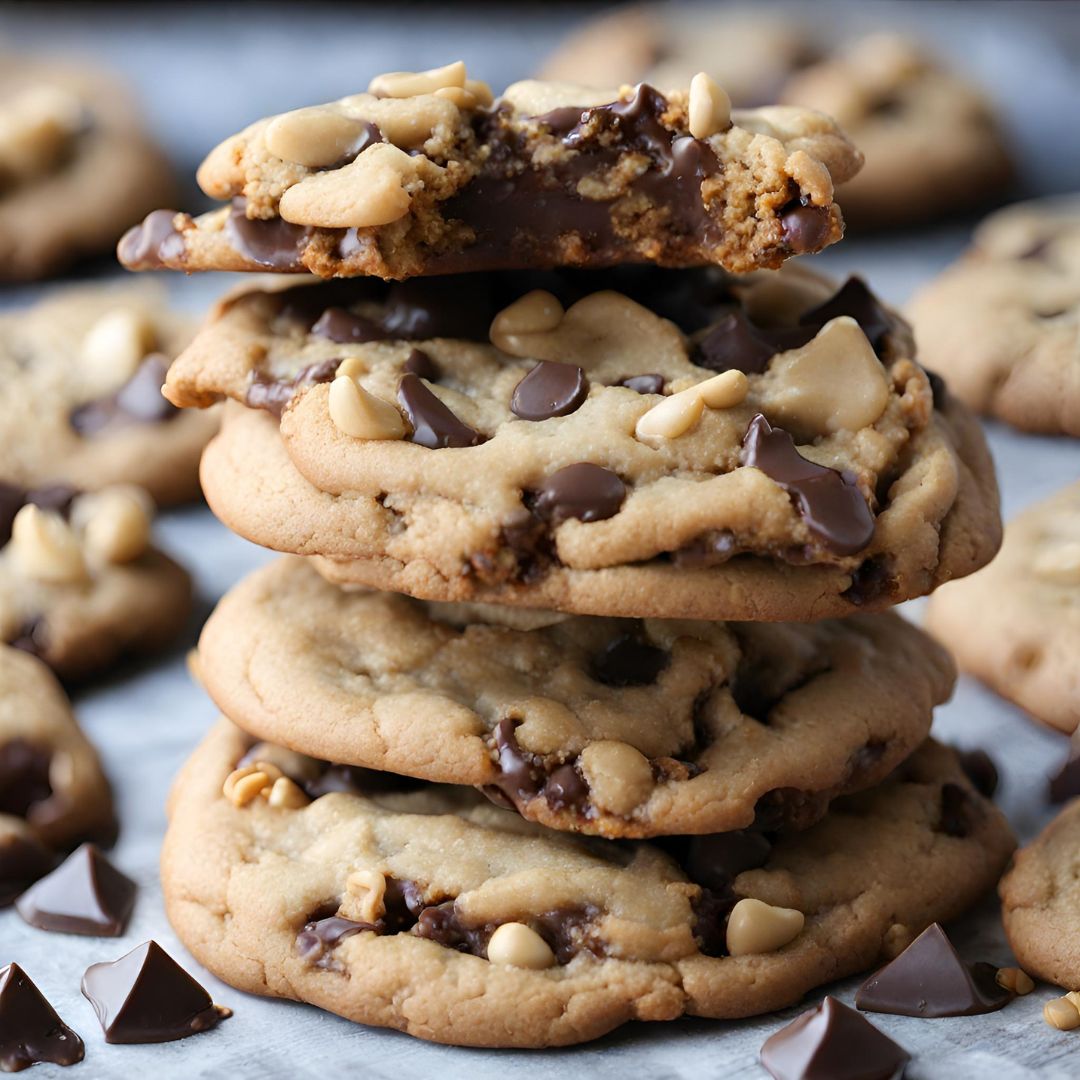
(1040, 897)
(1016, 624)
(53, 793)
(432, 911)
(80, 583)
(605, 726)
(76, 168)
(661, 443)
(81, 403)
(1003, 324)
(931, 139)
(426, 173)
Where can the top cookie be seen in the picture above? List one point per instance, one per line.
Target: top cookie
(425, 174)
(931, 140)
(1003, 324)
(774, 453)
(75, 166)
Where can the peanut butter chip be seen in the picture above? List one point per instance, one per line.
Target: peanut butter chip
(115, 523)
(1015, 981)
(534, 313)
(518, 945)
(619, 776)
(1062, 1014)
(46, 548)
(318, 137)
(114, 346)
(756, 927)
(360, 414)
(680, 413)
(403, 84)
(365, 896)
(709, 107)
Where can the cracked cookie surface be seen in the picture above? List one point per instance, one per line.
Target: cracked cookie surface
(604, 726)
(391, 908)
(1016, 624)
(1003, 323)
(771, 451)
(425, 174)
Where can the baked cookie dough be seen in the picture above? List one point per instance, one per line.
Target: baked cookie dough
(612, 727)
(1002, 325)
(931, 139)
(76, 168)
(770, 451)
(80, 584)
(466, 924)
(81, 404)
(1016, 624)
(1040, 898)
(426, 174)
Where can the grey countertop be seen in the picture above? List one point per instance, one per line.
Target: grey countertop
(205, 70)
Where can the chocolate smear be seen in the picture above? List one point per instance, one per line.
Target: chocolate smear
(828, 501)
(434, 425)
(855, 300)
(929, 979)
(138, 401)
(584, 492)
(832, 1042)
(85, 894)
(30, 1029)
(550, 389)
(629, 660)
(273, 394)
(147, 997)
(23, 859)
(274, 243)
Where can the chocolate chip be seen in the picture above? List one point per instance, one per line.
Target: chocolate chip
(86, 894)
(712, 908)
(806, 228)
(550, 389)
(344, 327)
(584, 492)
(643, 384)
(870, 581)
(273, 395)
(420, 364)
(715, 861)
(146, 997)
(30, 1029)
(856, 301)
(434, 425)
(151, 244)
(565, 789)
(711, 549)
(929, 979)
(980, 769)
(958, 811)
(1065, 783)
(832, 1042)
(629, 660)
(732, 344)
(24, 777)
(321, 936)
(274, 243)
(828, 501)
(23, 859)
(138, 401)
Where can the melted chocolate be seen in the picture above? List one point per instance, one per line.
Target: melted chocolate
(274, 395)
(153, 243)
(434, 425)
(138, 401)
(523, 776)
(629, 660)
(274, 243)
(584, 492)
(828, 501)
(344, 327)
(321, 936)
(30, 1029)
(550, 389)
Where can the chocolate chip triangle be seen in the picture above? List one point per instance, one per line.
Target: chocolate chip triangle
(147, 997)
(30, 1029)
(929, 979)
(832, 1042)
(85, 894)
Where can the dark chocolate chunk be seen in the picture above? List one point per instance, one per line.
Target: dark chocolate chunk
(30, 1029)
(420, 364)
(1065, 783)
(629, 660)
(147, 997)
(550, 389)
(344, 327)
(274, 395)
(980, 769)
(274, 243)
(806, 228)
(86, 894)
(715, 861)
(138, 401)
(828, 501)
(584, 491)
(434, 425)
(959, 811)
(24, 777)
(853, 299)
(23, 859)
(733, 344)
(643, 384)
(929, 979)
(440, 307)
(152, 243)
(832, 1042)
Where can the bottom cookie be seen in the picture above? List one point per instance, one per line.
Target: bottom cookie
(429, 910)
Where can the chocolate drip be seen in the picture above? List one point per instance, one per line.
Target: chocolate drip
(344, 327)
(274, 243)
(153, 243)
(643, 384)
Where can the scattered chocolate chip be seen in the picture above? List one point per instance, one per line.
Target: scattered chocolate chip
(23, 859)
(832, 1042)
(344, 327)
(958, 811)
(30, 1029)
(855, 300)
(629, 660)
(929, 979)
(274, 243)
(138, 401)
(147, 997)
(434, 425)
(550, 389)
(980, 769)
(24, 777)
(806, 228)
(643, 384)
(153, 243)
(1065, 783)
(420, 364)
(828, 501)
(584, 491)
(273, 395)
(85, 894)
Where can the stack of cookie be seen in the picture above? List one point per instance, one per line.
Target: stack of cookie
(582, 705)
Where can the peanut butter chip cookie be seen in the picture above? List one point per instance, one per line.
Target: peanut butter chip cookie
(430, 910)
(606, 726)
(1003, 324)
(653, 443)
(1016, 624)
(425, 173)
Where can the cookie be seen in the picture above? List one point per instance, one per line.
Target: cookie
(1040, 902)
(81, 404)
(775, 452)
(1003, 323)
(432, 911)
(80, 584)
(604, 726)
(50, 776)
(931, 139)
(76, 168)
(426, 174)
(1016, 624)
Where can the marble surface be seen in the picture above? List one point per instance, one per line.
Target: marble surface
(146, 720)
